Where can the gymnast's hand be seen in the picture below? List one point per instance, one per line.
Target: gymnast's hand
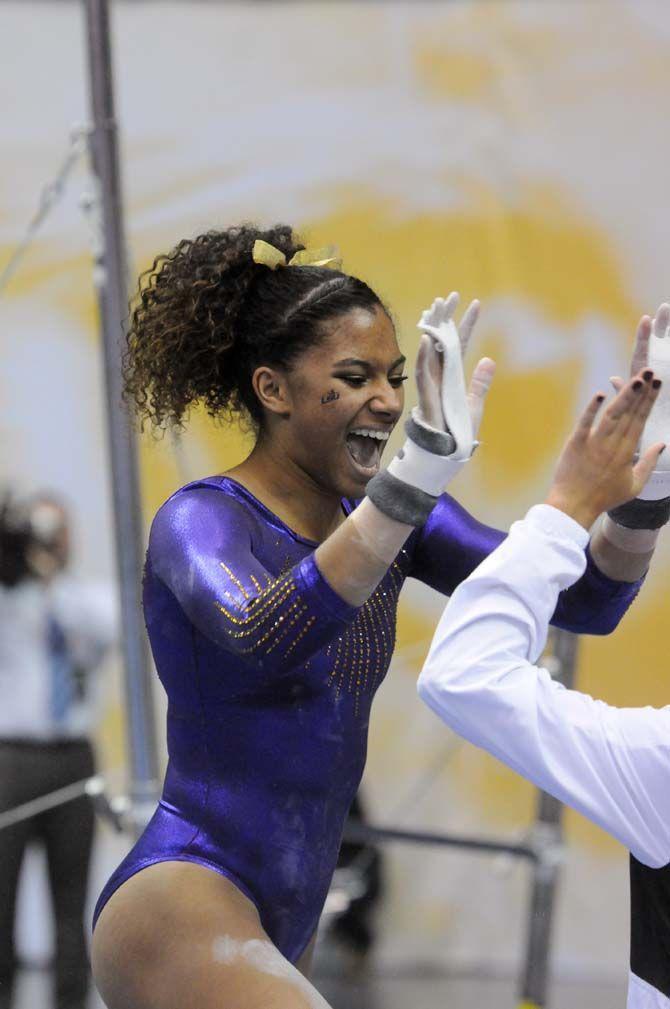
(441, 430)
(597, 469)
(439, 393)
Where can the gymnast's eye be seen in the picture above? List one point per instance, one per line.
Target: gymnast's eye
(358, 381)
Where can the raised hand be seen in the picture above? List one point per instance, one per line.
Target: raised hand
(440, 315)
(597, 469)
(444, 402)
(441, 429)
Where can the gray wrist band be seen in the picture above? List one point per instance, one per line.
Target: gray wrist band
(641, 514)
(437, 442)
(400, 501)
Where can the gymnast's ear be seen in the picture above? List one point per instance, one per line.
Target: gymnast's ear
(271, 389)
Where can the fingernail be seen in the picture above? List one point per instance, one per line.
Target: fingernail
(637, 385)
(656, 384)
(663, 450)
(646, 375)
(600, 397)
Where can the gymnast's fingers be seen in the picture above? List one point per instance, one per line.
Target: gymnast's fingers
(467, 324)
(641, 346)
(646, 465)
(428, 376)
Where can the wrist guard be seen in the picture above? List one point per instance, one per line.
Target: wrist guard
(408, 489)
(642, 514)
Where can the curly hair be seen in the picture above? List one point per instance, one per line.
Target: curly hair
(206, 316)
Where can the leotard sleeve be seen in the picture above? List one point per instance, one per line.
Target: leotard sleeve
(452, 543)
(201, 548)
(611, 764)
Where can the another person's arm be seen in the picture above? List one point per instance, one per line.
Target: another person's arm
(611, 764)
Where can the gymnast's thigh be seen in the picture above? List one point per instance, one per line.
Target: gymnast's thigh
(177, 935)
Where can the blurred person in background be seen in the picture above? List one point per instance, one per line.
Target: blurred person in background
(54, 634)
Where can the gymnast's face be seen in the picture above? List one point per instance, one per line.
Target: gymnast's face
(346, 396)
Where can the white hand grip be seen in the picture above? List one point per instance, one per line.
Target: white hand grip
(657, 427)
(453, 392)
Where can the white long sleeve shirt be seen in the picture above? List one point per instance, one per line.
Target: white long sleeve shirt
(611, 764)
(87, 614)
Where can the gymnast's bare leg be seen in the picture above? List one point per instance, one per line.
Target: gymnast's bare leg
(177, 935)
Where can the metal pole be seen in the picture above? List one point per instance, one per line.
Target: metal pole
(547, 840)
(366, 833)
(112, 289)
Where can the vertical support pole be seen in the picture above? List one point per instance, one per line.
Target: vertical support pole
(547, 839)
(112, 289)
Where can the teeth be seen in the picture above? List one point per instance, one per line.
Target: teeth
(371, 433)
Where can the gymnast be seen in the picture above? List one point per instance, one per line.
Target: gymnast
(611, 764)
(270, 596)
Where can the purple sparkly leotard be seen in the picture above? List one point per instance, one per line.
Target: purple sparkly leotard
(269, 677)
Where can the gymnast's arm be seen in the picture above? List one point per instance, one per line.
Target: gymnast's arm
(620, 558)
(452, 543)
(201, 548)
(205, 557)
(611, 764)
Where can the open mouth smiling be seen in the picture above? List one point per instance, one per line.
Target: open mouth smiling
(365, 446)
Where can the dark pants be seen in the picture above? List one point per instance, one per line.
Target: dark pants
(29, 770)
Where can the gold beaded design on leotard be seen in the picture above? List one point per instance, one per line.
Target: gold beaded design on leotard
(362, 654)
(358, 658)
(257, 618)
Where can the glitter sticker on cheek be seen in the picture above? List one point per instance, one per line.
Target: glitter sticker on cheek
(330, 397)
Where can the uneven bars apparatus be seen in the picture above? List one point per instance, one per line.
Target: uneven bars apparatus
(112, 291)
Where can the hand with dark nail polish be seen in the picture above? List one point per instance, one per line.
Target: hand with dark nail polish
(598, 467)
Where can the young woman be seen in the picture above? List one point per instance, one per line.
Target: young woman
(270, 600)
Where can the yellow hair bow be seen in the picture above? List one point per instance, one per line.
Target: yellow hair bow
(269, 256)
